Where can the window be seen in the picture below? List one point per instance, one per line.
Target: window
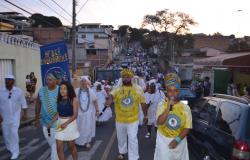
(83, 36)
(91, 51)
(198, 104)
(208, 112)
(228, 118)
(6, 67)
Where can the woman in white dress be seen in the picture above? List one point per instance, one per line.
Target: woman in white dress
(153, 97)
(88, 110)
(105, 112)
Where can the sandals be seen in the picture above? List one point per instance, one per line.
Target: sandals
(121, 157)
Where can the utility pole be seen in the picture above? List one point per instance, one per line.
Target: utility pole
(74, 37)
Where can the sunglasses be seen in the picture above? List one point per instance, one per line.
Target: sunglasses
(9, 97)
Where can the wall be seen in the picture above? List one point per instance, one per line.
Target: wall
(48, 35)
(26, 60)
(217, 42)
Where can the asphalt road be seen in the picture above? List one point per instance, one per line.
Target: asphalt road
(104, 147)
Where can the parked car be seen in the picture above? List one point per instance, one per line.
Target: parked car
(221, 129)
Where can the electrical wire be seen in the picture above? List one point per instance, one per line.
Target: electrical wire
(54, 10)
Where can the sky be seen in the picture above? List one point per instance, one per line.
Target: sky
(211, 15)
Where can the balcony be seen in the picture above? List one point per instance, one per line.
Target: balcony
(13, 40)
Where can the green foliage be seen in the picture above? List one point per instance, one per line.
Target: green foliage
(45, 21)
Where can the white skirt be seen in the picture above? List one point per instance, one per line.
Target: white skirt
(70, 133)
(162, 151)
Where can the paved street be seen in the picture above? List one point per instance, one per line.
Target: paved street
(34, 147)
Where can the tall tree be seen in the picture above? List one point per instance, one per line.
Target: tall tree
(123, 32)
(45, 21)
(170, 26)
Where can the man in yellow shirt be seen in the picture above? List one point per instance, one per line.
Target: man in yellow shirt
(127, 99)
(174, 122)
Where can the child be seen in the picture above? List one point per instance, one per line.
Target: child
(67, 107)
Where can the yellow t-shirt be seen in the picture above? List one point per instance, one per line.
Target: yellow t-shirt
(127, 101)
(178, 119)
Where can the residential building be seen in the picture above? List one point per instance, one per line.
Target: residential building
(49, 35)
(96, 39)
(15, 52)
(218, 42)
(14, 21)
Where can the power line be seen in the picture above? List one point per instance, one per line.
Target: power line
(29, 12)
(82, 6)
(18, 7)
(62, 8)
(54, 10)
(6, 7)
(25, 7)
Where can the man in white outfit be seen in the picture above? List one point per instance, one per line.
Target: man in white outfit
(12, 101)
(127, 98)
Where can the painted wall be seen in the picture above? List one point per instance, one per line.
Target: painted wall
(26, 60)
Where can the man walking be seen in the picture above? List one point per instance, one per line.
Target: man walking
(46, 109)
(12, 100)
(127, 99)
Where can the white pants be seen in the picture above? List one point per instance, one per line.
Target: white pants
(128, 133)
(11, 138)
(51, 141)
(162, 151)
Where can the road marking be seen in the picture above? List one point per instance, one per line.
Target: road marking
(32, 147)
(2, 148)
(45, 155)
(87, 155)
(109, 146)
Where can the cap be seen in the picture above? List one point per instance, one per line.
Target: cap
(10, 77)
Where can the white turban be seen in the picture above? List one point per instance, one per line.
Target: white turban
(152, 81)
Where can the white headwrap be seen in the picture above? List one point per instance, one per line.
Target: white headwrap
(152, 81)
(86, 78)
(97, 83)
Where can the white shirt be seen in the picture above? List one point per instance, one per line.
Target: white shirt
(11, 103)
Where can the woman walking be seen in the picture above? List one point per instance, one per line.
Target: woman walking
(67, 107)
(88, 110)
(174, 122)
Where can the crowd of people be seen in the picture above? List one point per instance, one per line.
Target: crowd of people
(69, 115)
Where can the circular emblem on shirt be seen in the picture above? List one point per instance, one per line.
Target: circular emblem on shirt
(127, 102)
(173, 122)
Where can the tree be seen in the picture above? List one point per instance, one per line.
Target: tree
(123, 36)
(171, 28)
(168, 21)
(122, 30)
(45, 21)
(238, 44)
(217, 34)
(137, 35)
